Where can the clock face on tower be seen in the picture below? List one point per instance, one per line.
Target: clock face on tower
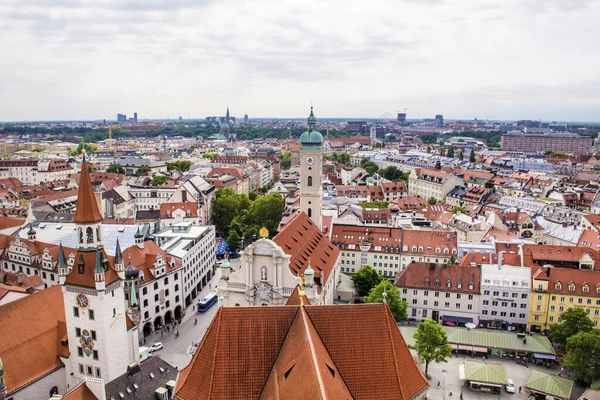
(310, 160)
(82, 300)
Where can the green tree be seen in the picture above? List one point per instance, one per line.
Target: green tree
(286, 160)
(431, 343)
(89, 148)
(392, 173)
(266, 211)
(343, 158)
(115, 168)
(432, 200)
(428, 149)
(442, 151)
(461, 155)
(263, 189)
(142, 170)
(452, 260)
(397, 306)
(252, 196)
(210, 156)
(180, 165)
(574, 320)
(226, 206)
(234, 241)
(370, 167)
(365, 279)
(159, 180)
(472, 155)
(583, 356)
(458, 209)
(450, 152)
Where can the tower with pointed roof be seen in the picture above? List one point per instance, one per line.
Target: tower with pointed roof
(311, 171)
(101, 344)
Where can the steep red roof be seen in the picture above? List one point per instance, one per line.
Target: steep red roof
(294, 352)
(417, 274)
(87, 207)
(303, 241)
(86, 277)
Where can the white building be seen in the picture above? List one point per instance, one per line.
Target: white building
(448, 294)
(505, 292)
(194, 248)
(33, 172)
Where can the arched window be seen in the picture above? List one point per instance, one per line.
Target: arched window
(90, 235)
(80, 235)
(98, 232)
(309, 212)
(310, 181)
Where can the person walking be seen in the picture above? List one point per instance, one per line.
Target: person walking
(520, 389)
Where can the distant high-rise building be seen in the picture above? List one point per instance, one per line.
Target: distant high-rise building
(246, 118)
(439, 121)
(402, 118)
(373, 134)
(356, 126)
(135, 117)
(227, 120)
(121, 118)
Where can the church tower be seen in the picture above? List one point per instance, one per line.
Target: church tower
(311, 172)
(99, 343)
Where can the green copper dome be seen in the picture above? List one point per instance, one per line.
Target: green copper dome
(311, 136)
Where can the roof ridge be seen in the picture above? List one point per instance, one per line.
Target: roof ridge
(387, 318)
(313, 354)
(210, 385)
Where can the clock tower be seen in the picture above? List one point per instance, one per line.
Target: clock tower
(311, 172)
(101, 344)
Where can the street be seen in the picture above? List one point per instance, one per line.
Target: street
(176, 350)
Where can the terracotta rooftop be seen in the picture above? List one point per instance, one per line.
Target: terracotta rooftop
(420, 275)
(80, 392)
(302, 240)
(296, 352)
(38, 318)
(167, 209)
(85, 276)
(87, 208)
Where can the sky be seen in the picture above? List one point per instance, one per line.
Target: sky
(486, 59)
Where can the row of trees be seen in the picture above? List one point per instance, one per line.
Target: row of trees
(391, 172)
(239, 215)
(576, 335)
(450, 153)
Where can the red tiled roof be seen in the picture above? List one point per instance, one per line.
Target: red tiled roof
(81, 392)
(87, 208)
(296, 352)
(416, 273)
(86, 277)
(303, 241)
(579, 278)
(183, 206)
(39, 319)
(10, 222)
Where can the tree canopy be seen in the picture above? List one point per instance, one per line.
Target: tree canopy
(450, 152)
(472, 155)
(574, 320)
(286, 160)
(265, 211)
(392, 173)
(89, 148)
(115, 168)
(234, 241)
(142, 170)
(365, 279)
(431, 343)
(210, 156)
(158, 180)
(180, 165)
(583, 356)
(226, 206)
(397, 306)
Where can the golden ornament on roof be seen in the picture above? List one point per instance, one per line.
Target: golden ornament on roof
(264, 233)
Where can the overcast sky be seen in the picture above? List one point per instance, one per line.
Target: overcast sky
(496, 59)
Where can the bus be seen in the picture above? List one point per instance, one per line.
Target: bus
(207, 302)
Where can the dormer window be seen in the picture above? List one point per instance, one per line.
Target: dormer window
(558, 286)
(471, 285)
(414, 249)
(572, 287)
(586, 288)
(459, 284)
(405, 248)
(437, 282)
(446, 251)
(420, 249)
(448, 283)
(427, 283)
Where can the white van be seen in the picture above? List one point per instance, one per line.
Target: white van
(510, 386)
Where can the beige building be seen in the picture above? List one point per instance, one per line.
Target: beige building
(435, 183)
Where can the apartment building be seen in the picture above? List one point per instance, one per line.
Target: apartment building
(560, 142)
(434, 183)
(389, 249)
(193, 247)
(448, 294)
(555, 290)
(505, 292)
(33, 172)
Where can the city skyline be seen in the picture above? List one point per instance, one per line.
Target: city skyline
(77, 60)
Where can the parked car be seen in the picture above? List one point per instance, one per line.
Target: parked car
(510, 386)
(156, 346)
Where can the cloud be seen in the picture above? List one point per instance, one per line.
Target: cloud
(94, 58)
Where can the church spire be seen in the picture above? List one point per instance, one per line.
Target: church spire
(87, 208)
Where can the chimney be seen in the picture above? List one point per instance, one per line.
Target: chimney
(548, 272)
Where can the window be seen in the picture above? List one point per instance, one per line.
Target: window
(155, 285)
(513, 305)
(494, 304)
(435, 303)
(494, 312)
(426, 281)
(414, 301)
(437, 294)
(448, 283)
(486, 292)
(504, 304)
(523, 305)
(458, 305)
(437, 282)
(95, 353)
(98, 372)
(471, 285)
(89, 370)
(470, 297)
(552, 308)
(447, 295)
(447, 305)
(91, 314)
(426, 293)
(81, 369)
(486, 302)
(503, 314)
(404, 291)
(75, 312)
(521, 315)
(145, 291)
(539, 298)
(469, 306)
(496, 293)
(484, 312)
(425, 302)
(513, 315)
(572, 287)
(80, 351)
(504, 294)
(458, 295)
(93, 335)
(424, 313)
(415, 292)
(310, 181)
(77, 332)
(551, 318)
